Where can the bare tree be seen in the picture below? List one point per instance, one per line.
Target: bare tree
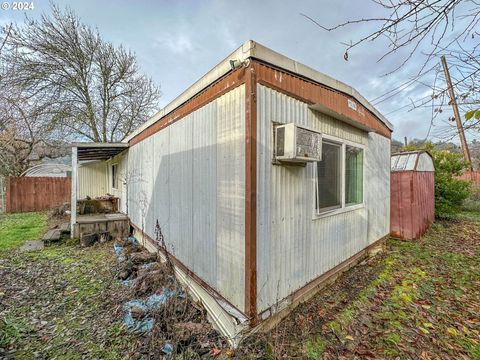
(93, 89)
(426, 30)
(26, 135)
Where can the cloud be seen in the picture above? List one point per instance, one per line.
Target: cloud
(178, 44)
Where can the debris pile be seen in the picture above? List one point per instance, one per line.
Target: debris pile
(159, 311)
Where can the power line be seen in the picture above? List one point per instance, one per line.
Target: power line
(400, 87)
(430, 96)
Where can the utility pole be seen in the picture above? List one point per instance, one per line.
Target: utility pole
(458, 119)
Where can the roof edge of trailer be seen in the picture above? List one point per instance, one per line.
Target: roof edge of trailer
(253, 50)
(98, 151)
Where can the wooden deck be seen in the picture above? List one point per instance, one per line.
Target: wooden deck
(117, 224)
(93, 218)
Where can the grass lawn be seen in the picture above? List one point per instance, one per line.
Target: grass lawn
(61, 302)
(15, 229)
(420, 299)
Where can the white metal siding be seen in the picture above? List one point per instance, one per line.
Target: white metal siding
(377, 180)
(122, 178)
(191, 177)
(293, 246)
(92, 179)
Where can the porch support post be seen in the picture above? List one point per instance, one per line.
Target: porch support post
(73, 210)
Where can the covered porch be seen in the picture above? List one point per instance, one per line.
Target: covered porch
(98, 200)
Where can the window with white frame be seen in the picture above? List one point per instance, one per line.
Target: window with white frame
(339, 177)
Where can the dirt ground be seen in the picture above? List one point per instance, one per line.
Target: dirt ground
(418, 300)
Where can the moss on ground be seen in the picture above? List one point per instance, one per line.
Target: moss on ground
(420, 299)
(59, 302)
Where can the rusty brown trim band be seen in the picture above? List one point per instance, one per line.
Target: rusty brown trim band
(251, 194)
(186, 270)
(223, 85)
(351, 261)
(297, 295)
(310, 92)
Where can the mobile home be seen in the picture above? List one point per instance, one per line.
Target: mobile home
(266, 177)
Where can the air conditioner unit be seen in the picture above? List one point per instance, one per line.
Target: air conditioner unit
(297, 144)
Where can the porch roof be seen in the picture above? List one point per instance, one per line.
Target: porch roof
(98, 151)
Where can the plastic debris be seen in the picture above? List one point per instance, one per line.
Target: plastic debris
(133, 240)
(137, 318)
(118, 249)
(127, 282)
(154, 301)
(167, 349)
(149, 265)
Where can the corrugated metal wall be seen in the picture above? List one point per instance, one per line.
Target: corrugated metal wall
(377, 186)
(191, 178)
(413, 203)
(92, 179)
(124, 177)
(293, 246)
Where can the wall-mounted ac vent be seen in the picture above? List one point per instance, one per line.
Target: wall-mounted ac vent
(297, 144)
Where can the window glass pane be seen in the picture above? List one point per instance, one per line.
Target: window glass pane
(329, 177)
(114, 176)
(353, 175)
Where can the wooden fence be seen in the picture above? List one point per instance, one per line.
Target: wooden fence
(472, 176)
(2, 194)
(36, 193)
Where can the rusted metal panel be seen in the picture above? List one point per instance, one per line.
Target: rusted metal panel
(191, 178)
(212, 92)
(251, 195)
(315, 93)
(294, 246)
(36, 193)
(412, 203)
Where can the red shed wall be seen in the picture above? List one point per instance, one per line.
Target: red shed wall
(412, 207)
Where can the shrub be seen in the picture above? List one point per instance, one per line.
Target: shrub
(450, 192)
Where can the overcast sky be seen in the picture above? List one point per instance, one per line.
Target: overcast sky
(176, 42)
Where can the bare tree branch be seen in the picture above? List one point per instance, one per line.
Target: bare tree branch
(93, 89)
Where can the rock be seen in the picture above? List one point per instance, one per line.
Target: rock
(137, 312)
(143, 257)
(90, 239)
(187, 330)
(64, 228)
(52, 235)
(32, 245)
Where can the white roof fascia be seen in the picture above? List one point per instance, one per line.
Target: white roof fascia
(252, 49)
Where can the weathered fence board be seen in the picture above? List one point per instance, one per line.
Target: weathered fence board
(2, 194)
(472, 176)
(36, 193)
